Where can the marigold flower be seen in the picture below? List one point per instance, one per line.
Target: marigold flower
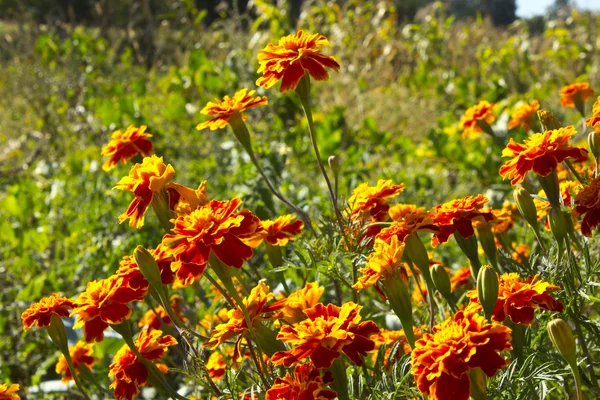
(519, 298)
(570, 94)
(280, 231)
(371, 201)
(153, 319)
(103, 303)
(183, 200)
(441, 360)
(458, 216)
(587, 203)
(503, 220)
(145, 180)
(541, 152)
(520, 252)
(305, 384)
(300, 300)
(460, 277)
(217, 366)
(40, 313)
(236, 325)
(291, 58)
(594, 121)
(213, 227)
(124, 146)
(9, 392)
(523, 115)
(328, 331)
(384, 262)
(81, 353)
(407, 219)
(130, 373)
(471, 122)
(390, 338)
(222, 110)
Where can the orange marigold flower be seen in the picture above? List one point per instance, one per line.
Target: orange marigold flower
(523, 115)
(291, 58)
(130, 373)
(9, 392)
(587, 203)
(407, 219)
(236, 326)
(470, 122)
(280, 231)
(594, 121)
(104, 302)
(441, 360)
(222, 110)
(460, 277)
(328, 331)
(81, 353)
(519, 298)
(145, 180)
(183, 200)
(300, 300)
(390, 338)
(571, 93)
(153, 319)
(217, 365)
(40, 313)
(458, 216)
(541, 152)
(371, 201)
(124, 146)
(305, 384)
(384, 262)
(213, 227)
(520, 253)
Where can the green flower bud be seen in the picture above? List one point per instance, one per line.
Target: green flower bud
(594, 143)
(486, 238)
(562, 338)
(487, 289)
(397, 293)
(441, 280)
(558, 224)
(417, 252)
(148, 266)
(470, 248)
(526, 206)
(334, 164)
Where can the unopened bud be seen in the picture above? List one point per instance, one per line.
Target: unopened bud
(486, 238)
(558, 224)
(416, 251)
(526, 206)
(334, 164)
(441, 280)
(548, 121)
(487, 289)
(562, 338)
(148, 266)
(594, 143)
(397, 293)
(478, 383)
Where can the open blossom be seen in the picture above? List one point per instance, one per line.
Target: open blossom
(280, 231)
(291, 58)
(594, 121)
(471, 122)
(295, 304)
(130, 373)
(103, 303)
(541, 152)
(518, 298)
(9, 392)
(406, 220)
(218, 363)
(587, 203)
(81, 354)
(222, 110)
(123, 146)
(458, 216)
(40, 313)
(183, 200)
(306, 383)
(460, 277)
(153, 319)
(524, 115)
(442, 359)
(328, 331)
(384, 262)
(236, 325)
(215, 227)
(145, 180)
(570, 93)
(371, 201)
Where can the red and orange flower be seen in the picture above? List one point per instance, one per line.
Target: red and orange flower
(307, 383)
(103, 303)
(40, 313)
(222, 110)
(442, 359)
(291, 58)
(541, 152)
(280, 231)
(571, 94)
(130, 373)
(390, 339)
(371, 201)
(213, 227)
(153, 319)
(145, 181)
(406, 220)
(81, 354)
(123, 146)
(460, 277)
(328, 331)
(9, 392)
(458, 216)
(384, 262)
(300, 300)
(183, 200)
(518, 298)
(475, 117)
(587, 203)
(594, 121)
(524, 115)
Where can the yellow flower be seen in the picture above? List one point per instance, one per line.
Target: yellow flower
(523, 115)
(300, 300)
(222, 110)
(384, 262)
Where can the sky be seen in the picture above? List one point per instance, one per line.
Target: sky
(528, 8)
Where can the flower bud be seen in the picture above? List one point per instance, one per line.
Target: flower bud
(441, 280)
(334, 164)
(148, 266)
(477, 379)
(594, 143)
(548, 121)
(417, 252)
(397, 293)
(470, 248)
(558, 224)
(486, 238)
(526, 206)
(487, 289)
(562, 338)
